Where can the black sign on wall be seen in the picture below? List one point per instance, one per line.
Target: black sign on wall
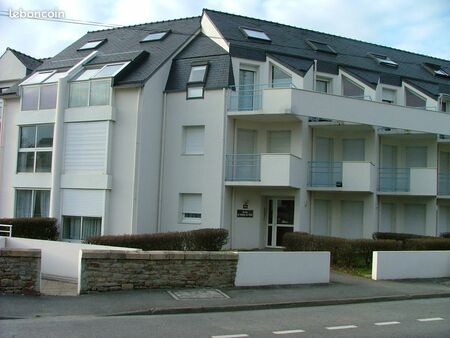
(244, 213)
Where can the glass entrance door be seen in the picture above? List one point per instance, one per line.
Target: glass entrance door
(280, 220)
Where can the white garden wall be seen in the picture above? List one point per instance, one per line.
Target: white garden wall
(59, 260)
(410, 264)
(282, 268)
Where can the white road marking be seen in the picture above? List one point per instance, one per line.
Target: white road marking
(386, 323)
(231, 336)
(343, 327)
(288, 331)
(429, 319)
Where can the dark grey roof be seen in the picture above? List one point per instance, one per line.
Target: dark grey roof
(124, 44)
(201, 49)
(290, 40)
(29, 62)
(298, 65)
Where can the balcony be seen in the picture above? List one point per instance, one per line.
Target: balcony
(263, 100)
(408, 181)
(268, 170)
(444, 184)
(341, 176)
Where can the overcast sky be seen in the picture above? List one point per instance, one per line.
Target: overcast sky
(414, 25)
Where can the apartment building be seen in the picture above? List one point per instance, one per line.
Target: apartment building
(234, 122)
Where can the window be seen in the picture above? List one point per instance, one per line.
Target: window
(191, 208)
(445, 107)
(156, 36)
(279, 141)
(198, 73)
(388, 95)
(35, 148)
(92, 44)
(351, 89)
(32, 203)
(194, 140)
(280, 79)
(38, 77)
(414, 100)
(320, 46)
(194, 92)
(39, 97)
(79, 228)
(383, 60)
(255, 34)
(353, 149)
(435, 69)
(90, 93)
(322, 86)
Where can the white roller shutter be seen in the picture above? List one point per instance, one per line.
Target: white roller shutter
(279, 141)
(194, 139)
(86, 146)
(77, 202)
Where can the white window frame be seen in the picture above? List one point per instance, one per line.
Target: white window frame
(81, 227)
(34, 150)
(394, 90)
(414, 92)
(345, 77)
(33, 200)
(185, 133)
(327, 81)
(40, 86)
(89, 93)
(183, 213)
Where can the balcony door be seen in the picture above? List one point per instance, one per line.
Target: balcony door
(444, 173)
(322, 170)
(280, 220)
(388, 170)
(246, 161)
(246, 94)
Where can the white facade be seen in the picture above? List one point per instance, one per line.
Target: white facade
(295, 154)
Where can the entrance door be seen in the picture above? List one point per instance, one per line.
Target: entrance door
(246, 89)
(246, 161)
(280, 220)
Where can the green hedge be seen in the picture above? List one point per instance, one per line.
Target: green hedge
(36, 228)
(397, 236)
(196, 240)
(445, 234)
(436, 243)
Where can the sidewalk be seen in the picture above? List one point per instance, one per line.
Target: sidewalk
(343, 289)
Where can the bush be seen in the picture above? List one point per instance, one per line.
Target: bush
(196, 240)
(396, 236)
(206, 239)
(445, 234)
(344, 252)
(36, 228)
(427, 244)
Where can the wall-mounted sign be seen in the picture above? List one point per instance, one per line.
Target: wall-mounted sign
(244, 213)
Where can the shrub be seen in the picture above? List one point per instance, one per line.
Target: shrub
(196, 240)
(396, 236)
(427, 244)
(206, 239)
(344, 252)
(445, 234)
(36, 228)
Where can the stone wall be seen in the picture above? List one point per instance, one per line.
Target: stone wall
(20, 271)
(109, 270)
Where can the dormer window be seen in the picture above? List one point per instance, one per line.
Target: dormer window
(257, 34)
(383, 60)
(198, 73)
(320, 47)
(156, 36)
(92, 44)
(435, 69)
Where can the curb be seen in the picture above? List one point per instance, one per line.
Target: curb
(280, 305)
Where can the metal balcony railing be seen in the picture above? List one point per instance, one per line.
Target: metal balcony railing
(249, 97)
(243, 167)
(394, 179)
(325, 174)
(444, 184)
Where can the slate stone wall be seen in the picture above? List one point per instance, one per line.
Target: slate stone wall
(112, 270)
(20, 271)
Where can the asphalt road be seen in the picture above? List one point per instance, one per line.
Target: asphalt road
(412, 318)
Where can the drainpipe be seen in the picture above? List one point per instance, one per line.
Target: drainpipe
(314, 75)
(161, 163)
(224, 140)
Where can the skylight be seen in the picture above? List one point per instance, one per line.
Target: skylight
(255, 34)
(92, 44)
(383, 60)
(155, 36)
(436, 69)
(38, 77)
(320, 46)
(101, 72)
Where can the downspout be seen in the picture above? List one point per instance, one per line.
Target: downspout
(161, 163)
(224, 140)
(314, 75)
